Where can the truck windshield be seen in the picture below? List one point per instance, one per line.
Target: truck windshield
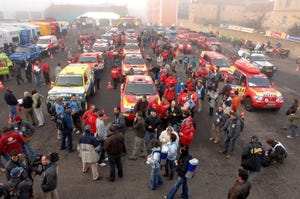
(257, 81)
(140, 88)
(258, 57)
(69, 80)
(221, 62)
(21, 49)
(88, 59)
(43, 41)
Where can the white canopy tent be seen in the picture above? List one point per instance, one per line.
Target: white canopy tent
(98, 16)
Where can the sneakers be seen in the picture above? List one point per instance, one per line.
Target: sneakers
(132, 158)
(102, 164)
(106, 159)
(211, 139)
(227, 157)
(77, 132)
(221, 152)
(215, 141)
(290, 137)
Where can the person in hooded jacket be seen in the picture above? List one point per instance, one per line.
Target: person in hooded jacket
(252, 157)
(165, 135)
(154, 160)
(87, 152)
(174, 115)
(182, 168)
(27, 104)
(187, 132)
(218, 120)
(19, 186)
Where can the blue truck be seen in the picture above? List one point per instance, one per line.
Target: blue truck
(26, 52)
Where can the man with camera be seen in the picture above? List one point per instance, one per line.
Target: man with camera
(49, 177)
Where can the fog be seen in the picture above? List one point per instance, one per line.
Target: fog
(9, 7)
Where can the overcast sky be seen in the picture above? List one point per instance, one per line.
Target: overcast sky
(135, 7)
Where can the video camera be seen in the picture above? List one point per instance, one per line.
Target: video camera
(54, 157)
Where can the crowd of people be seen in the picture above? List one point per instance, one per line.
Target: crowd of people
(169, 124)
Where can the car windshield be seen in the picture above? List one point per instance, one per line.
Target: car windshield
(212, 39)
(183, 41)
(130, 31)
(257, 81)
(99, 48)
(221, 62)
(21, 49)
(131, 41)
(132, 47)
(89, 59)
(106, 37)
(134, 61)
(69, 80)
(140, 88)
(258, 57)
(43, 41)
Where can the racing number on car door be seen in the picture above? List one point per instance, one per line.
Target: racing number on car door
(240, 89)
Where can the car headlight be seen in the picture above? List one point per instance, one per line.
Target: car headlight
(258, 98)
(260, 67)
(279, 98)
(274, 67)
(128, 108)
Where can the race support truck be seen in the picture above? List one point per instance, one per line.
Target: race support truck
(254, 87)
(26, 52)
(73, 79)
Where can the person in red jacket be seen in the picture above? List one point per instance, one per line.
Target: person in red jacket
(164, 105)
(46, 72)
(170, 80)
(115, 75)
(170, 93)
(183, 97)
(163, 74)
(91, 120)
(87, 114)
(153, 105)
(187, 132)
(190, 84)
(10, 141)
(164, 55)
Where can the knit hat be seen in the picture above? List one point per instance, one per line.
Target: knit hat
(17, 118)
(16, 171)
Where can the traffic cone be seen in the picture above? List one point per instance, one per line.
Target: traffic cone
(1, 85)
(297, 69)
(51, 56)
(109, 86)
(9, 119)
(242, 115)
(104, 116)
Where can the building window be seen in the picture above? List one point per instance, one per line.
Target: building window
(288, 3)
(284, 20)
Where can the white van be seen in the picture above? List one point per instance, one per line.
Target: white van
(48, 44)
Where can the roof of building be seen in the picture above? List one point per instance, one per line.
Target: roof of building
(100, 15)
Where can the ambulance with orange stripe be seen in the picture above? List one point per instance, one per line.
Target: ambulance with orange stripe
(254, 87)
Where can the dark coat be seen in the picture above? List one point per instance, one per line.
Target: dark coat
(114, 144)
(139, 128)
(27, 102)
(183, 163)
(252, 156)
(240, 190)
(49, 178)
(154, 122)
(10, 98)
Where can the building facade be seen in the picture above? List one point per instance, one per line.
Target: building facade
(162, 12)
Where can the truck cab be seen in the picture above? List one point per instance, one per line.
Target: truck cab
(254, 87)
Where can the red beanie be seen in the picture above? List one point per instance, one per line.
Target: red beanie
(17, 118)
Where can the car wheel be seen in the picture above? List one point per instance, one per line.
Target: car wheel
(248, 104)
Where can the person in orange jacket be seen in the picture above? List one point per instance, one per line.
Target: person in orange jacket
(236, 102)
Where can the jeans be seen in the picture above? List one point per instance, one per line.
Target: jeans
(38, 80)
(29, 148)
(156, 179)
(149, 136)
(180, 181)
(170, 165)
(13, 111)
(6, 157)
(115, 161)
(229, 144)
(101, 152)
(293, 128)
(65, 135)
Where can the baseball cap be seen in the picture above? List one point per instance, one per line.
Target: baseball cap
(17, 118)
(16, 171)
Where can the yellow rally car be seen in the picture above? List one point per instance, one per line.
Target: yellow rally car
(5, 64)
(73, 79)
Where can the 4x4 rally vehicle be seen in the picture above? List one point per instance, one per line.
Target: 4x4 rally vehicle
(254, 87)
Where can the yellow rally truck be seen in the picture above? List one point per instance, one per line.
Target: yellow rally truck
(44, 26)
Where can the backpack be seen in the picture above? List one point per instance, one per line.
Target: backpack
(60, 122)
(38, 102)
